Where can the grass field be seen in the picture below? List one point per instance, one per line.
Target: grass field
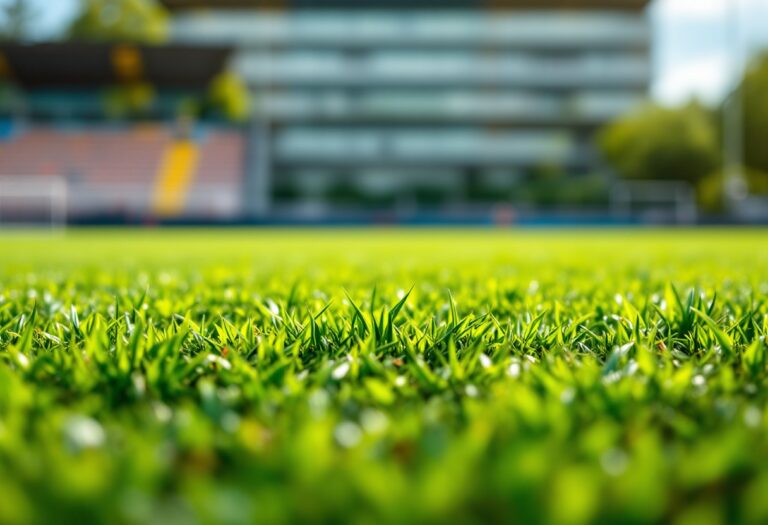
(384, 376)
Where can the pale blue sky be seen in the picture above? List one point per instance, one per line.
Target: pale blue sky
(691, 37)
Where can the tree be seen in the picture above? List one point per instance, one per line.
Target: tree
(17, 16)
(711, 189)
(227, 99)
(140, 21)
(229, 96)
(659, 143)
(755, 98)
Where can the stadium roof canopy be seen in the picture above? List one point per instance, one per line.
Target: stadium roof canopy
(410, 4)
(92, 65)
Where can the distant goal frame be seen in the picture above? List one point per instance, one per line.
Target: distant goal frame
(53, 190)
(679, 195)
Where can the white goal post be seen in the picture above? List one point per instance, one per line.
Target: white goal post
(666, 200)
(33, 201)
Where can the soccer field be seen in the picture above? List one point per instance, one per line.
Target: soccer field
(369, 376)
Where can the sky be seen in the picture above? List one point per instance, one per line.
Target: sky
(692, 42)
(693, 55)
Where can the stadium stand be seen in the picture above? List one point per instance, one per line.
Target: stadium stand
(162, 167)
(139, 170)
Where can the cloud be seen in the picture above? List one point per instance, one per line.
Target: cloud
(706, 9)
(693, 47)
(705, 78)
(709, 9)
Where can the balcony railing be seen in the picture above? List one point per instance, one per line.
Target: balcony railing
(444, 106)
(426, 146)
(346, 29)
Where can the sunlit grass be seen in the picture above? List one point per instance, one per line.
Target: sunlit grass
(380, 375)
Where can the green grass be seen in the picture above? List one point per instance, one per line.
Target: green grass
(384, 376)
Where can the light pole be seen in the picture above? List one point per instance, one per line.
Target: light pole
(734, 183)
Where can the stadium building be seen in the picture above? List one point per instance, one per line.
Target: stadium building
(404, 104)
(370, 109)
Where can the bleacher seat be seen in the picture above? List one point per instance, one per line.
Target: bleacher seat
(119, 170)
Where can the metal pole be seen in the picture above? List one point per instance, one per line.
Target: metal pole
(258, 169)
(734, 183)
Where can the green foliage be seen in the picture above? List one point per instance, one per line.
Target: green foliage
(754, 90)
(18, 16)
(384, 377)
(710, 190)
(10, 98)
(563, 191)
(129, 101)
(228, 95)
(658, 143)
(139, 21)
(227, 98)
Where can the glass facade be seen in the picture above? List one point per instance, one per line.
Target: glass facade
(464, 93)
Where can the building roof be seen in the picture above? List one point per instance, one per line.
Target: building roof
(90, 65)
(409, 4)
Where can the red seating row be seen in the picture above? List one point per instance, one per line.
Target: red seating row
(116, 168)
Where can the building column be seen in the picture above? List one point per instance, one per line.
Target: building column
(257, 186)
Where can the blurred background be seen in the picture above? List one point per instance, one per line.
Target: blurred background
(383, 111)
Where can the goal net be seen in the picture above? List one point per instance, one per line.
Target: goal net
(33, 202)
(655, 201)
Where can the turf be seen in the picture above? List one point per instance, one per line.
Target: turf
(384, 377)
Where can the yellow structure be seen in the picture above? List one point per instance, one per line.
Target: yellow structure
(174, 178)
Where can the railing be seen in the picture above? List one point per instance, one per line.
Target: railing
(426, 146)
(440, 69)
(448, 105)
(549, 29)
(51, 200)
(203, 200)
